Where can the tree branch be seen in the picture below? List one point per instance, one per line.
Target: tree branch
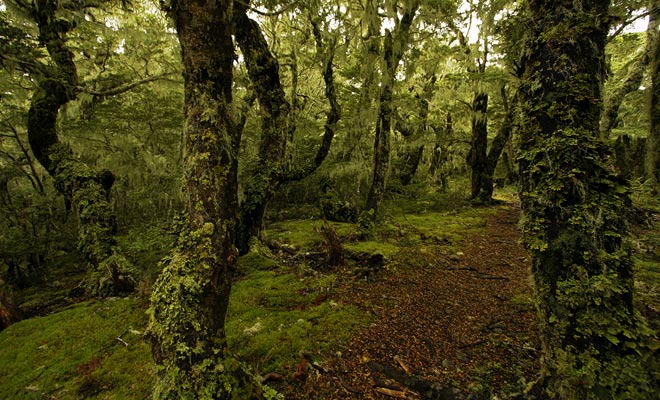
(333, 115)
(121, 89)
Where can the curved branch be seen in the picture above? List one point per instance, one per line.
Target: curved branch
(333, 115)
(125, 88)
(265, 13)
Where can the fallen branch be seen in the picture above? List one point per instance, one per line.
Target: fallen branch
(392, 393)
(428, 390)
(272, 377)
(402, 364)
(312, 363)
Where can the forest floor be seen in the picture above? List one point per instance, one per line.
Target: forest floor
(452, 325)
(448, 313)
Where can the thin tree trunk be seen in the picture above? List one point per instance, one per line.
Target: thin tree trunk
(632, 81)
(495, 151)
(84, 188)
(372, 42)
(477, 158)
(652, 162)
(266, 177)
(573, 226)
(382, 138)
(190, 298)
(411, 154)
(393, 51)
(277, 125)
(326, 53)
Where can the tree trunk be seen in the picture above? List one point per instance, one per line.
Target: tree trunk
(84, 188)
(190, 298)
(392, 53)
(477, 158)
(496, 147)
(594, 341)
(439, 156)
(411, 154)
(633, 79)
(652, 162)
(268, 174)
(277, 125)
(326, 54)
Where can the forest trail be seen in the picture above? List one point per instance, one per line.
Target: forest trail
(464, 321)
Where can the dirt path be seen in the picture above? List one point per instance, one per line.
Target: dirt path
(460, 321)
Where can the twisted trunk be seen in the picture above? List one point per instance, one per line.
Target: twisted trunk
(84, 188)
(394, 47)
(277, 125)
(190, 298)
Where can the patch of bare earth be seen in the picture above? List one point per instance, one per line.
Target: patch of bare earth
(452, 326)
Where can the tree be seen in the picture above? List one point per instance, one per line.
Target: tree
(633, 79)
(594, 341)
(277, 124)
(481, 160)
(652, 161)
(190, 298)
(85, 189)
(395, 44)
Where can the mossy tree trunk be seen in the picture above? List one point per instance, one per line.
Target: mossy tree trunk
(573, 224)
(411, 153)
(485, 179)
(394, 46)
(265, 178)
(190, 298)
(652, 162)
(477, 159)
(633, 79)
(83, 187)
(277, 125)
(439, 157)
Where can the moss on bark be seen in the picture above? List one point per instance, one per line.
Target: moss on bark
(596, 345)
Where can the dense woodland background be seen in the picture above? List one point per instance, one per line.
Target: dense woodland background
(351, 127)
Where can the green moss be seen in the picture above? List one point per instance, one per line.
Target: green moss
(54, 355)
(453, 225)
(304, 233)
(385, 248)
(273, 317)
(255, 261)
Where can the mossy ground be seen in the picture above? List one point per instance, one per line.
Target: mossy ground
(276, 310)
(90, 350)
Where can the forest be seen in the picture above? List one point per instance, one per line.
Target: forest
(329, 199)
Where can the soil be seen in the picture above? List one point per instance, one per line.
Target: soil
(452, 326)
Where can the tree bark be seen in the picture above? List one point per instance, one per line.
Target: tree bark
(190, 298)
(411, 154)
(573, 225)
(477, 159)
(84, 188)
(394, 47)
(652, 162)
(633, 79)
(277, 125)
(266, 177)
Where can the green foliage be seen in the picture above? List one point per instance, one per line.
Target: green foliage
(575, 224)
